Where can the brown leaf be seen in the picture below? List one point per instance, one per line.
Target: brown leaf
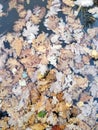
(56, 127)
(34, 95)
(17, 45)
(38, 126)
(60, 97)
(30, 60)
(31, 120)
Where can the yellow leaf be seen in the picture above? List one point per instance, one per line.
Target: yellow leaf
(38, 126)
(94, 54)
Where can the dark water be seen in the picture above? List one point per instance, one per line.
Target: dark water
(7, 22)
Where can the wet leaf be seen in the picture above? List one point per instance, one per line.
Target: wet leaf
(38, 126)
(17, 45)
(42, 114)
(69, 2)
(56, 127)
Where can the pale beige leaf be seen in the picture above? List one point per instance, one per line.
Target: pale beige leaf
(17, 45)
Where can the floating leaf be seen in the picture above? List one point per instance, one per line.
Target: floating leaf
(56, 127)
(94, 54)
(42, 114)
(17, 45)
(38, 126)
(69, 2)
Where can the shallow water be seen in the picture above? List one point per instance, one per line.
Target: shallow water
(48, 66)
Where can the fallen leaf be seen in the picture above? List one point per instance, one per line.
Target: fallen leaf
(38, 126)
(80, 82)
(69, 2)
(17, 45)
(94, 54)
(42, 114)
(35, 19)
(56, 127)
